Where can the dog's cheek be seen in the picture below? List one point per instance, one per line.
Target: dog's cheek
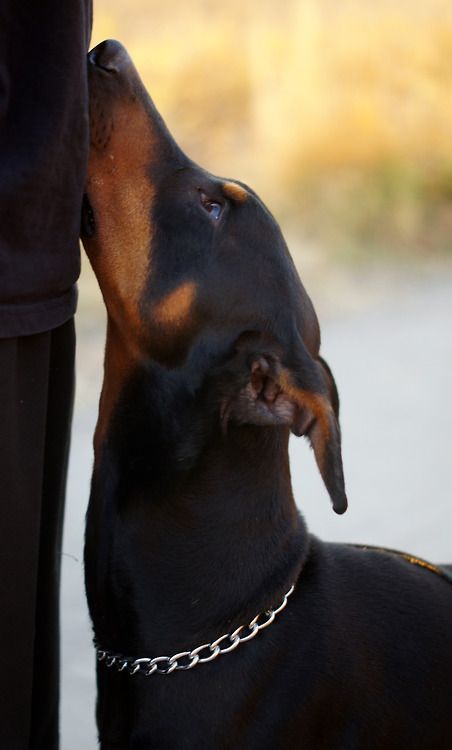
(172, 312)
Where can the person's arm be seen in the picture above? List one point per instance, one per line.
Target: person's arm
(43, 154)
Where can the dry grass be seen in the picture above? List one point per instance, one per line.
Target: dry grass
(339, 114)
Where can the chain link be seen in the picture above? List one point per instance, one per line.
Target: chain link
(184, 660)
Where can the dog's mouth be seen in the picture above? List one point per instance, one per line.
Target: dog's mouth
(88, 223)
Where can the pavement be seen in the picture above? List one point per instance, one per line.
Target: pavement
(387, 335)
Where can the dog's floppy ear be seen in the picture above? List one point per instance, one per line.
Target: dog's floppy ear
(263, 385)
(331, 385)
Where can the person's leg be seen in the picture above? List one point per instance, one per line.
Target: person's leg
(24, 364)
(36, 391)
(46, 661)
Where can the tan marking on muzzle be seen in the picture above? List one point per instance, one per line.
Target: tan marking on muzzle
(122, 196)
(235, 192)
(123, 264)
(173, 311)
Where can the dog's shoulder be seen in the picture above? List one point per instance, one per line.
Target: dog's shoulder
(372, 591)
(367, 634)
(355, 569)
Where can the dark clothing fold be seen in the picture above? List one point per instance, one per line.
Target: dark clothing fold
(43, 159)
(43, 156)
(36, 395)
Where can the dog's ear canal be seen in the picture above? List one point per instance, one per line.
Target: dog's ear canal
(262, 385)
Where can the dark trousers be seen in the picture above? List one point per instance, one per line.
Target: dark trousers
(36, 397)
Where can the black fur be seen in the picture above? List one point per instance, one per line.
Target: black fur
(192, 527)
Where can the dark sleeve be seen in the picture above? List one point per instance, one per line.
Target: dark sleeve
(43, 155)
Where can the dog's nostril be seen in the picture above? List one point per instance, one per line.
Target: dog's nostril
(108, 55)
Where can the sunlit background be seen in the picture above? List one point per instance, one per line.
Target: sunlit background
(339, 114)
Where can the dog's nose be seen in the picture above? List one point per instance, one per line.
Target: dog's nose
(109, 55)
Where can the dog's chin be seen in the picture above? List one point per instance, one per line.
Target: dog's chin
(88, 223)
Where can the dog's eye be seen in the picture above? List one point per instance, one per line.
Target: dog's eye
(213, 208)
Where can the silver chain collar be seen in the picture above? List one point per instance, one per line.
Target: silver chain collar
(188, 659)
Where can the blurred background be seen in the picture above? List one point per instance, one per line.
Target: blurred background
(340, 116)
(341, 113)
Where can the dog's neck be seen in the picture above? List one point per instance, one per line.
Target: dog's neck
(206, 520)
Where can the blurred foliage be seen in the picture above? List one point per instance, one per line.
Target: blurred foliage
(338, 114)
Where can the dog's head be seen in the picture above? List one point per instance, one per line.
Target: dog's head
(188, 261)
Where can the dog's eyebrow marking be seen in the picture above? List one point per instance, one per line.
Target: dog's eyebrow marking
(235, 192)
(174, 309)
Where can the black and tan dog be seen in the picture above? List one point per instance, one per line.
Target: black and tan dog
(212, 358)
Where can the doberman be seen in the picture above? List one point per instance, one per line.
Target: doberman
(212, 359)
